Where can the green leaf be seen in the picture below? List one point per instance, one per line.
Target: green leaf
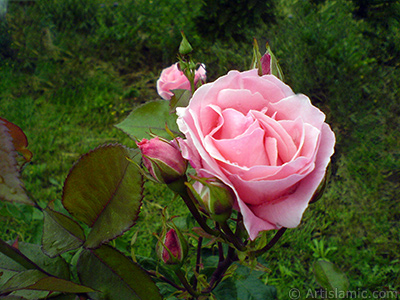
(180, 98)
(104, 191)
(251, 288)
(60, 233)
(330, 277)
(19, 139)
(149, 117)
(149, 263)
(255, 62)
(13, 259)
(275, 67)
(224, 290)
(30, 256)
(36, 280)
(11, 187)
(116, 276)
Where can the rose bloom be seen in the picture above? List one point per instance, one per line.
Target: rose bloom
(172, 78)
(271, 146)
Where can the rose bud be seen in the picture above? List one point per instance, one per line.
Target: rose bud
(266, 64)
(185, 47)
(217, 199)
(172, 247)
(269, 64)
(173, 78)
(163, 160)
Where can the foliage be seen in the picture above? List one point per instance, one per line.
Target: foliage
(5, 40)
(341, 50)
(232, 19)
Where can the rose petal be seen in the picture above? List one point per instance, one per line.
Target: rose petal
(271, 149)
(247, 150)
(265, 191)
(286, 147)
(230, 98)
(211, 120)
(270, 87)
(291, 108)
(288, 213)
(234, 124)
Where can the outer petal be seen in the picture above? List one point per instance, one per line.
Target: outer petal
(270, 87)
(288, 213)
(298, 106)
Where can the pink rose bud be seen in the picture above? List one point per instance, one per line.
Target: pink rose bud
(270, 65)
(217, 199)
(266, 64)
(163, 160)
(173, 78)
(172, 248)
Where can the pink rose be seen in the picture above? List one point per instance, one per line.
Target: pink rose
(172, 79)
(271, 146)
(163, 159)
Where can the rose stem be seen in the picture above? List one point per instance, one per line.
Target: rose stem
(193, 210)
(154, 274)
(220, 252)
(198, 261)
(185, 283)
(192, 86)
(271, 243)
(218, 274)
(220, 249)
(232, 237)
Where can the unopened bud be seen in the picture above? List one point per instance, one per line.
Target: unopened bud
(185, 47)
(217, 199)
(269, 64)
(266, 64)
(172, 247)
(163, 160)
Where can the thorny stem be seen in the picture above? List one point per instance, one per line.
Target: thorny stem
(220, 248)
(271, 243)
(218, 274)
(193, 209)
(198, 261)
(185, 283)
(154, 274)
(220, 252)
(232, 237)
(192, 85)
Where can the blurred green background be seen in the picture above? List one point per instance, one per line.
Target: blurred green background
(70, 69)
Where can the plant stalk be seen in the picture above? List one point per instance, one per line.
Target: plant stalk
(218, 274)
(198, 261)
(232, 237)
(186, 284)
(181, 189)
(271, 243)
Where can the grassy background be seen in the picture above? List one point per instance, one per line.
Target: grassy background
(70, 70)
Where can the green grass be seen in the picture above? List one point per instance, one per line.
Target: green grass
(67, 93)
